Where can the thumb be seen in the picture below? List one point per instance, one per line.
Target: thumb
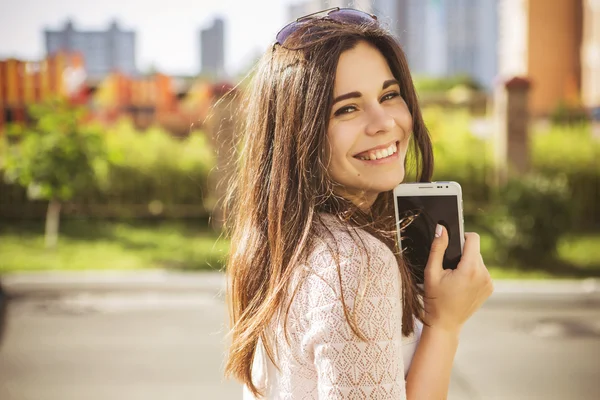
(438, 249)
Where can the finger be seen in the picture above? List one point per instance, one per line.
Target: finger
(438, 249)
(482, 263)
(472, 248)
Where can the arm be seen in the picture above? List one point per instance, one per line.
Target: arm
(429, 374)
(451, 297)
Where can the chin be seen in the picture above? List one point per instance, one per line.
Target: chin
(385, 188)
(393, 181)
(387, 185)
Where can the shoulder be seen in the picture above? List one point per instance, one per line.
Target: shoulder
(350, 279)
(344, 261)
(350, 245)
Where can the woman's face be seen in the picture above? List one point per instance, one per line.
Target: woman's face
(369, 126)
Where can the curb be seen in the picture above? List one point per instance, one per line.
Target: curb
(584, 286)
(45, 283)
(213, 281)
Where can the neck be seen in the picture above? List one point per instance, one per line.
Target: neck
(363, 200)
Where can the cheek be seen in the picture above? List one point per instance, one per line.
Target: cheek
(404, 119)
(405, 122)
(405, 142)
(339, 145)
(339, 152)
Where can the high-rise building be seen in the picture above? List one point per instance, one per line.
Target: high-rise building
(450, 37)
(414, 33)
(212, 49)
(391, 14)
(103, 51)
(422, 33)
(472, 39)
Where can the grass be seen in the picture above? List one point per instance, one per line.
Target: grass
(582, 251)
(103, 245)
(119, 245)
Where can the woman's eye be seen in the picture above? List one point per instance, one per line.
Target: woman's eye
(345, 110)
(390, 96)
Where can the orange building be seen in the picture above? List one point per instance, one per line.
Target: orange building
(556, 44)
(26, 82)
(23, 83)
(157, 99)
(143, 99)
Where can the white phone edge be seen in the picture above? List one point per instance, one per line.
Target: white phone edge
(437, 188)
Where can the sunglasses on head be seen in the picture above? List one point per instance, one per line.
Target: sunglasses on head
(342, 15)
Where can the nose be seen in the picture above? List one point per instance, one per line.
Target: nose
(379, 120)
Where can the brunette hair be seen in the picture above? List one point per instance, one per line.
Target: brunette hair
(282, 183)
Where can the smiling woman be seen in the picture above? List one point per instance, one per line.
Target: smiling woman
(321, 301)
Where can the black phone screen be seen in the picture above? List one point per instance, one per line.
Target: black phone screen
(418, 217)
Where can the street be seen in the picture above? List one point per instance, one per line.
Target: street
(91, 342)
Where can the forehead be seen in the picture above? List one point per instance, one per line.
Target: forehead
(361, 67)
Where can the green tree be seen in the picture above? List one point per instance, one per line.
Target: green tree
(56, 158)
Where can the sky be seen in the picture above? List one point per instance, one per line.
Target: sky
(167, 31)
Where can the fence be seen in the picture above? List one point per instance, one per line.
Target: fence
(139, 203)
(14, 205)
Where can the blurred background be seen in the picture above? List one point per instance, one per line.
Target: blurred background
(115, 119)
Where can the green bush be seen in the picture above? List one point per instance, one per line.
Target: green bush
(57, 156)
(459, 155)
(150, 170)
(564, 114)
(557, 151)
(568, 148)
(530, 215)
(572, 152)
(153, 166)
(527, 217)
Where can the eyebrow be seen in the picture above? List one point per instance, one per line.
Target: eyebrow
(352, 95)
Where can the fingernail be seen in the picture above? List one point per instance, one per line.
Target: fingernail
(438, 230)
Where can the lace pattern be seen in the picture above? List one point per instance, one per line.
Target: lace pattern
(324, 359)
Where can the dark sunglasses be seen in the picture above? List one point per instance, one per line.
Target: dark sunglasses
(342, 15)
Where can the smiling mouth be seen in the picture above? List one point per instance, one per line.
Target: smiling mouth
(379, 154)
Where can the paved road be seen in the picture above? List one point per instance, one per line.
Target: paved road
(151, 341)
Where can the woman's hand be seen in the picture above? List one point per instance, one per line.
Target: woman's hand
(452, 296)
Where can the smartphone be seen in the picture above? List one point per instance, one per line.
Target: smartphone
(419, 208)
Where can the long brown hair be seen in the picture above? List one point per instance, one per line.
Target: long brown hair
(282, 183)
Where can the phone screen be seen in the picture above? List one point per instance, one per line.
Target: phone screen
(416, 237)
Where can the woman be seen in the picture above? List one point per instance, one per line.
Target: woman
(321, 302)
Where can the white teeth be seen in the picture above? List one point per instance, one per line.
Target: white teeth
(381, 153)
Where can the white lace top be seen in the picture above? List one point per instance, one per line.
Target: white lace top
(324, 358)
